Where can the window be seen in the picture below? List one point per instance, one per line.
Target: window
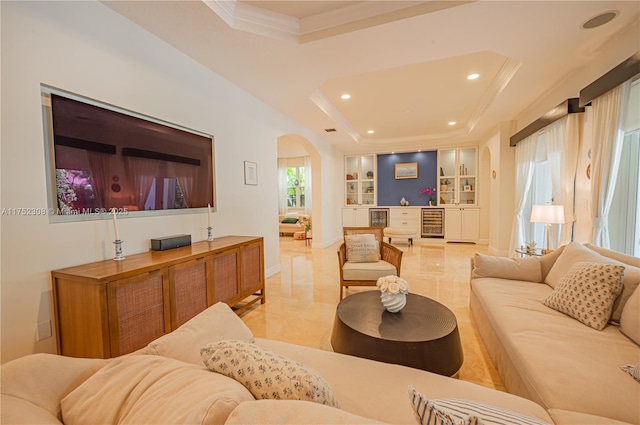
(165, 193)
(540, 193)
(624, 229)
(295, 187)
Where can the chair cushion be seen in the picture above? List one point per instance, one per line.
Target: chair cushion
(362, 248)
(367, 271)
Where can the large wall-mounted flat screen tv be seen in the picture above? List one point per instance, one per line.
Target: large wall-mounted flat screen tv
(103, 158)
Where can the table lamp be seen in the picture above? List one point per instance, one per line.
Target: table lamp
(547, 214)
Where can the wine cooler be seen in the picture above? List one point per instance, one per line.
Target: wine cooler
(433, 222)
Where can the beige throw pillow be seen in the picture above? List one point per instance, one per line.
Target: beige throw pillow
(216, 323)
(267, 375)
(630, 319)
(527, 269)
(362, 248)
(575, 253)
(587, 292)
(153, 390)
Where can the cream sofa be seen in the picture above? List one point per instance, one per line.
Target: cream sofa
(549, 357)
(290, 228)
(167, 383)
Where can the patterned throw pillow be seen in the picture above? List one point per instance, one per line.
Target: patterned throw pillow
(587, 293)
(458, 411)
(267, 375)
(632, 370)
(362, 248)
(289, 220)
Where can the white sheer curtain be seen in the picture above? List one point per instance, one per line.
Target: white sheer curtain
(282, 185)
(562, 140)
(607, 147)
(525, 157)
(186, 175)
(99, 165)
(307, 185)
(141, 173)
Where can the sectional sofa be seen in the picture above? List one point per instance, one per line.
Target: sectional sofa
(550, 357)
(560, 370)
(167, 383)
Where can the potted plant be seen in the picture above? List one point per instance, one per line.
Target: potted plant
(429, 191)
(306, 222)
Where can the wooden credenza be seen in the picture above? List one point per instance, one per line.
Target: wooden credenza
(109, 308)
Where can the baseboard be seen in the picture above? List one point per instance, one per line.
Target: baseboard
(272, 270)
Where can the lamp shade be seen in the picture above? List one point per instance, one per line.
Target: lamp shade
(548, 214)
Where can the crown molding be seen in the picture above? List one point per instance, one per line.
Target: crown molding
(351, 13)
(246, 17)
(500, 82)
(255, 19)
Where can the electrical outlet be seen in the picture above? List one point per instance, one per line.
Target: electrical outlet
(44, 330)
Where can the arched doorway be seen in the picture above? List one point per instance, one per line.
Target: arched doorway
(294, 145)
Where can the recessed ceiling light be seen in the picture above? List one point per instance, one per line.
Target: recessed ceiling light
(599, 20)
(452, 123)
(345, 96)
(371, 131)
(472, 76)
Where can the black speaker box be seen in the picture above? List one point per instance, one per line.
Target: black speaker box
(170, 242)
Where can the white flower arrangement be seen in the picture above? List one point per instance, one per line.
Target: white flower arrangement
(393, 285)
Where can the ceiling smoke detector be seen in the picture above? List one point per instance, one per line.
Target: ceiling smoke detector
(600, 19)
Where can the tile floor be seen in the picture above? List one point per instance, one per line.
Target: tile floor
(302, 298)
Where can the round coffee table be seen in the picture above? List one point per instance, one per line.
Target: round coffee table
(423, 335)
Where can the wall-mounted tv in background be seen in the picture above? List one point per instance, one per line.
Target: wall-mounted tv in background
(103, 157)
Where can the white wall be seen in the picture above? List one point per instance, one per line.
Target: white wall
(502, 187)
(86, 48)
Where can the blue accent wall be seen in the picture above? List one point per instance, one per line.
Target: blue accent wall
(390, 190)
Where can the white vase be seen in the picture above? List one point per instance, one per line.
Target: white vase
(393, 302)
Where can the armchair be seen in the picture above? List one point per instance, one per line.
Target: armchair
(367, 274)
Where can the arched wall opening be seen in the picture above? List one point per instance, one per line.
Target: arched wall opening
(294, 145)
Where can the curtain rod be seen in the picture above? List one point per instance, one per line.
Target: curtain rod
(618, 75)
(569, 106)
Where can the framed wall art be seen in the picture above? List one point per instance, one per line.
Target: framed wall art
(406, 170)
(250, 173)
